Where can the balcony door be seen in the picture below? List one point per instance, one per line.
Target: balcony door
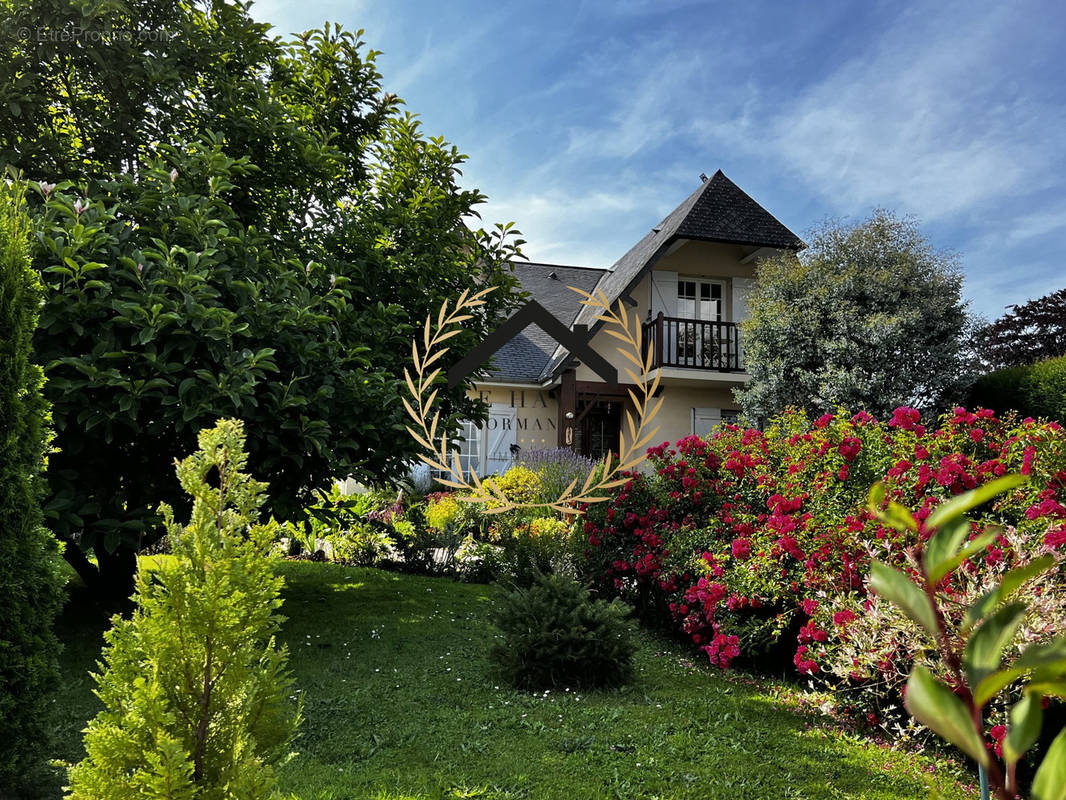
(700, 300)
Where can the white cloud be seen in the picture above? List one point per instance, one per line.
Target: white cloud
(911, 123)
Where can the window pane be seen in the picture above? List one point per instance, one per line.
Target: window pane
(705, 291)
(716, 291)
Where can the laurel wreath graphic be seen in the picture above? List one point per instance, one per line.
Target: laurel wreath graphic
(423, 387)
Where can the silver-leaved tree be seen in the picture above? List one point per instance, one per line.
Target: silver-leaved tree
(869, 316)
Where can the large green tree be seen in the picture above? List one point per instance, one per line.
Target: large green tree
(869, 316)
(30, 583)
(231, 225)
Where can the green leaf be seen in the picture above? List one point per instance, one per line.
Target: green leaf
(976, 545)
(981, 608)
(1050, 780)
(1043, 655)
(984, 651)
(1053, 688)
(876, 497)
(896, 587)
(1047, 661)
(957, 506)
(899, 517)
(942, 547)
(934, 705)
(1016, 577)
(1025, 720)
(1012, 581)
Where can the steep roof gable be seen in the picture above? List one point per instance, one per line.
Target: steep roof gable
(525, 357)
(717, 211)
(723, 212)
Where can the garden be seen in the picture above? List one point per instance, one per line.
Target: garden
(427, 645)
(220, 580)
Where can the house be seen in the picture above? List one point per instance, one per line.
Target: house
(690, 277)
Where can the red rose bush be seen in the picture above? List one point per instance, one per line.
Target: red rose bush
(757, 544)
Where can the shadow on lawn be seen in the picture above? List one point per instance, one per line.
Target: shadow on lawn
(400, 702)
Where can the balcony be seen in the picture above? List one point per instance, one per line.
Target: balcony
(693, 344)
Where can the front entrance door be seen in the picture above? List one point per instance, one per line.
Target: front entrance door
(598, 431)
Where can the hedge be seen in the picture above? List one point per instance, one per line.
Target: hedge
(1037, 390)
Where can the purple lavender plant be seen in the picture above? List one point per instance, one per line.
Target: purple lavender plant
(557, 468)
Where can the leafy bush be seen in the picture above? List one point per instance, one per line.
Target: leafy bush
(519, 484)
(971, 641)
(30, 582)
(268, 260)
(361, 544)
(554, 634)
(1035, 390)
(194, 687)
(516, 553)
(539, 545)
(758, 542)
(442, 512)
(822, 321)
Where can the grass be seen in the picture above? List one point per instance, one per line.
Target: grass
(400, 702)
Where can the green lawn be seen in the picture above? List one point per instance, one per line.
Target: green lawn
(401, 702)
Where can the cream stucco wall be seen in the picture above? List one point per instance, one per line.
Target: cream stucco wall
(675, 417)
(535, 413)
(694, 259)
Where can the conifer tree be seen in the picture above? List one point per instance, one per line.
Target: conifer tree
(194, 685)
(30, 582)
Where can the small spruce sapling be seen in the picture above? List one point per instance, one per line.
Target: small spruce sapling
(194, 686)
(972, 649)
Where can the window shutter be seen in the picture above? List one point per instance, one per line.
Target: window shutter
(704, 421)
(742, 288)
(663, 293)
(501, 426)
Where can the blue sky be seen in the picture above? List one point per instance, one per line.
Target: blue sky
(586, 123)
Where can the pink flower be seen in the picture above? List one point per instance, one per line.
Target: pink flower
(810, 607)
(997, 733)
(805, 665)
(905, 418)
(1056, 537)
(850, 448)
(842, 618)
(741, 548)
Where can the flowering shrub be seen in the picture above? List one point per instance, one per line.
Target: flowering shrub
(755, 542)
(557, 469)
(442, 510)
(519, 484)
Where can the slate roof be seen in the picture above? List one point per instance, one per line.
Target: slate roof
(723, 212)
(525, 357)
(718, 211)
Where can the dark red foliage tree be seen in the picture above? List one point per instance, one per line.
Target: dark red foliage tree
(1027, 333)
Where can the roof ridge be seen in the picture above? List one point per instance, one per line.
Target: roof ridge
(562, 266)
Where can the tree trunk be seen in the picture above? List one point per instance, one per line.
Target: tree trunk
(111, 580)
(118, 571)
(89, 574)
